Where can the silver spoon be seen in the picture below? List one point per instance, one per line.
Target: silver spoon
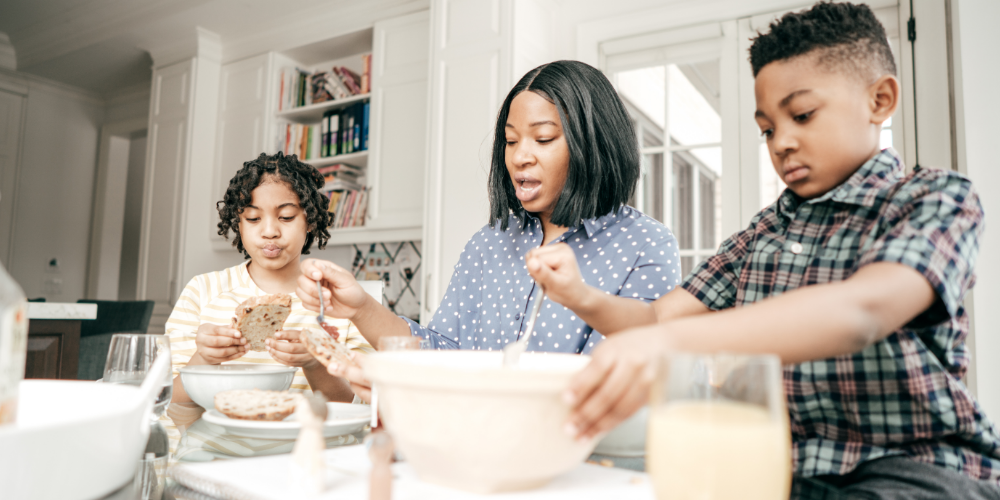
(512, 352)
(319, 288)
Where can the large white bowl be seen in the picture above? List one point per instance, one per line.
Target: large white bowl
(202, 382)
(628, 439)
(72, 440)
(464, 421)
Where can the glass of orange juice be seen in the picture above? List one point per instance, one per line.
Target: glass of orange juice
(718, 429)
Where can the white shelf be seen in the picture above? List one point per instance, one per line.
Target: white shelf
(313, 113)
(358, 159)
(364, 234)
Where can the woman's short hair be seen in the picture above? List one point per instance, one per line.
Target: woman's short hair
(300, 177)
(603, 150)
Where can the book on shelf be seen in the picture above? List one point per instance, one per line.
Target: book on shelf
(349, 207)
(299, 87)
(301, 140)
(347, 129)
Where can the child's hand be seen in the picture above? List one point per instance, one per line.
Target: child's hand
(554, 267)
(342, 294)
(617, 381)
(287, 349)
(216, 344)
(361, 386)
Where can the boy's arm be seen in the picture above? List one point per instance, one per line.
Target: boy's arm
(813, 322)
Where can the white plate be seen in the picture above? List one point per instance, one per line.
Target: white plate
(342, 418)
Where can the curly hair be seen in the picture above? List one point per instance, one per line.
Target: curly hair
(303, 179)
(848, 36)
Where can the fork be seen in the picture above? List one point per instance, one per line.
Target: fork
(512, 352)
(319, 288)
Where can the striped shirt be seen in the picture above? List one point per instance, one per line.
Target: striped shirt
(904, 394)
(213, 298)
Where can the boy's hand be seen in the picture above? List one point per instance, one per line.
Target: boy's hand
(342, 294)
(215, 344)
(617, 381)
(287, 349)
(554, 267)
(361, 386)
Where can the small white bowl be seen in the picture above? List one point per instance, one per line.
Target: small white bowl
(202, 382)
(465, 421)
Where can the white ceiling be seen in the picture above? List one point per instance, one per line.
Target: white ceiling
(105, 45)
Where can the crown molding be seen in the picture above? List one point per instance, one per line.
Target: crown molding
(202, 44)
(8, 57)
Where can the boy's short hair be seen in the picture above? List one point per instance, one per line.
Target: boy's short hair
(847, 36)
(302, 178)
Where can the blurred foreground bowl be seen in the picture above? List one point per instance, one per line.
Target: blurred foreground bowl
(201, 382)
(464, 421)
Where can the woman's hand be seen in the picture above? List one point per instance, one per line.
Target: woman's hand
(215, 344)
(287, 349)
(342, 294)
(554, 267)
(361, 386)
(617, 381)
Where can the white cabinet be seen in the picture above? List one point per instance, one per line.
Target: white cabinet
(397, 155)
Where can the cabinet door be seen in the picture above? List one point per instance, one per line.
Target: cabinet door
(11, 119)
(245, 94)
(398, 130)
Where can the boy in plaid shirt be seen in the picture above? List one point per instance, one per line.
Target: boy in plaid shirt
(855, 277)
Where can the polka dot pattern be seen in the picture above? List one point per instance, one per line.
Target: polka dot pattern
(624, 253)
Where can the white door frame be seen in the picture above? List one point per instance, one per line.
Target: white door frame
(108, 211)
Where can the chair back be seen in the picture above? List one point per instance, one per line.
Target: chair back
(118, 316)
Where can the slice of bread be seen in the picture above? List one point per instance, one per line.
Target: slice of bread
(325, 348)
(258, 318)
(256, 404)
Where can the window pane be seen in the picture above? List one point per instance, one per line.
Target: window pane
(644, 90)
(687, 263)
(682, 201)
(652, 186)
(771, 185)
(693, 106)
(711, 209)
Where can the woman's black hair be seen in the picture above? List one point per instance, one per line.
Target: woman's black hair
(303, 179)
(603, 150)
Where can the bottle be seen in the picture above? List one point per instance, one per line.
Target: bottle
(13, 344)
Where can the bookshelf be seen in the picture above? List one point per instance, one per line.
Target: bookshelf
(394, 162)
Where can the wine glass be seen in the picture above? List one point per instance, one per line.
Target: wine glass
(130, 357)
(718, 429)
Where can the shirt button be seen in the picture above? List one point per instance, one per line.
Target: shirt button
(517, 316)
(796, 248)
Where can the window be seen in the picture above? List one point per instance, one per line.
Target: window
(706, 170)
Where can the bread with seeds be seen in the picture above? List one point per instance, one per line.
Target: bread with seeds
(325, 347)
(255, 404)
(259, 318)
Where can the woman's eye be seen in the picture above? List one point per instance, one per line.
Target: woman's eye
(802, 117)
(767, 133)
(511, 143)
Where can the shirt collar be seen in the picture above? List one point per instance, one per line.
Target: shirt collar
(861, 188)
(591, 226)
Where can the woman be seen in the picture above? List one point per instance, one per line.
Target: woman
(565, 163)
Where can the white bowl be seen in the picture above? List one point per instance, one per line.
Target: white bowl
(464, 421)
(73, 440)
(628, 439)
(202, 382)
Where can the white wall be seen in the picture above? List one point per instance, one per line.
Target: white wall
(129, 266)
(55, 191)
(977, 70)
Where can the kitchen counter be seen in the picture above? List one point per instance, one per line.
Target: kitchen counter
(61, 310)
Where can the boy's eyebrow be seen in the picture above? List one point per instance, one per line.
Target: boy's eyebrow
(788, 98)
(289, 204)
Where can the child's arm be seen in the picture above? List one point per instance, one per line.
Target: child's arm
(556, 269)
(344, 298)
(814, 322)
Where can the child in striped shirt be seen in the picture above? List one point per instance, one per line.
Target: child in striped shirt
(276, 212)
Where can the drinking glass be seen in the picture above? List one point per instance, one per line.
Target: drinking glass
(129, 358)
(718, 429)
(398, 343)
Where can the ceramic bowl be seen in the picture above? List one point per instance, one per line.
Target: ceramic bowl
(464, 421)
(73, 440)
(202, 382)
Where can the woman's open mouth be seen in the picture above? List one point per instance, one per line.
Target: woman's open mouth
(527, 189)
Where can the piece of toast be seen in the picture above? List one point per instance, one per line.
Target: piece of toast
(325, 348)
(256, 404)
(258, 318)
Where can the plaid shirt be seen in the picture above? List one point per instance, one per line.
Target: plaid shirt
(902, 395)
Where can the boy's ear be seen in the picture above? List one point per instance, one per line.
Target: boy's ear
(883, 98)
